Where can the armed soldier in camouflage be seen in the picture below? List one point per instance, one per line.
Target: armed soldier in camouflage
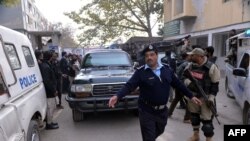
(208, 76)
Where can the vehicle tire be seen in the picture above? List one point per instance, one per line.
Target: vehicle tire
(246, 114)
(228, 92)
(33, 133)
(77, 115)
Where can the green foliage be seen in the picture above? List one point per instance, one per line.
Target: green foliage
(9, 2)
(108, 19)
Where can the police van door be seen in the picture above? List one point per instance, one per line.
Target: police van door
(10, 127)
(242, 81)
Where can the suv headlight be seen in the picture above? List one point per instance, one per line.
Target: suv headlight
(81, 88)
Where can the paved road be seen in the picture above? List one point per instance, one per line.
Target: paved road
(122, 126)
(115, 126)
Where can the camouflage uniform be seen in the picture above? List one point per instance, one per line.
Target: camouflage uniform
(208, 76)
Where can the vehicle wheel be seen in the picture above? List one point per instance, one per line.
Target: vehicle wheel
(77, 115)
(228, 92)
(33, 133)
(246, 114)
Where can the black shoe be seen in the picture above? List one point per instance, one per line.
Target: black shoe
(59, 106)
(51, 126)
(54, 123)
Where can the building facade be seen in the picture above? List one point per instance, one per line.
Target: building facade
(26, 18)
(207, 21)
(23, 17)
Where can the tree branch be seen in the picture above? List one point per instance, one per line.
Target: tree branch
(131, 10)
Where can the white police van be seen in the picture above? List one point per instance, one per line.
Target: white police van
(237, 81)
(22, 93)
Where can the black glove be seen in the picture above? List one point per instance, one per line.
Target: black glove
(192, 87)
(210, 101)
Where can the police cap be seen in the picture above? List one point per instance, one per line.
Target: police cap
(197, 51)
(149, 48)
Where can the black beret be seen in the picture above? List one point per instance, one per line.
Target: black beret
(149, 48)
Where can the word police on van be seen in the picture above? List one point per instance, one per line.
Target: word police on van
(27, 80)
(22, 93)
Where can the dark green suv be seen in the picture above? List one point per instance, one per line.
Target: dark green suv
(103, 73)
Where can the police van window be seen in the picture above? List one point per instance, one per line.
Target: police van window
(240, 43)
(244, 62)
(28, 57)
(3, 88)
(12, 55)
(245, 42)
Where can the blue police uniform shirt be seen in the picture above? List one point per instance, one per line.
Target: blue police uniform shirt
(157, 71)
(154, 84)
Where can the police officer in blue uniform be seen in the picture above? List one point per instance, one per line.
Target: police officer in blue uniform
(154, 80)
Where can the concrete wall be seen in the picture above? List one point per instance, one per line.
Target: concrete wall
(209, 13)
(167, 10)
(25, 17)
(213, 19)
(216, 13)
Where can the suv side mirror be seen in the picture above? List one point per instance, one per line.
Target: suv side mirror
(135, 65)
(240, 72)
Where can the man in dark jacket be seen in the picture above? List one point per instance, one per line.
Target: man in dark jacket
(154, 81)
(58, 74)
(168, 59)
(178, 95)
(49, 81)
(64, 67)
(210, 54)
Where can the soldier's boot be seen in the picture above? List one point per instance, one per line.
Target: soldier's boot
(195, 137)
(209, 139)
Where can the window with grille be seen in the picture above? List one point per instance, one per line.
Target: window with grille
(28, 56)
(12, 56)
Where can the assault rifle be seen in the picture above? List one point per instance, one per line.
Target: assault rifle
(180, 41)
(211, 106)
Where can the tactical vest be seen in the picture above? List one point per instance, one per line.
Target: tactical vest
(201, 74)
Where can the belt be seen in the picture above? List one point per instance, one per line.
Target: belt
(155, 107)
(159, 107)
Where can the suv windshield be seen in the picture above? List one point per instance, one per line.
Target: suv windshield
(102, 59)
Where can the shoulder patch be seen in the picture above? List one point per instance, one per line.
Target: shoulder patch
(140, 67)
(165, 64)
